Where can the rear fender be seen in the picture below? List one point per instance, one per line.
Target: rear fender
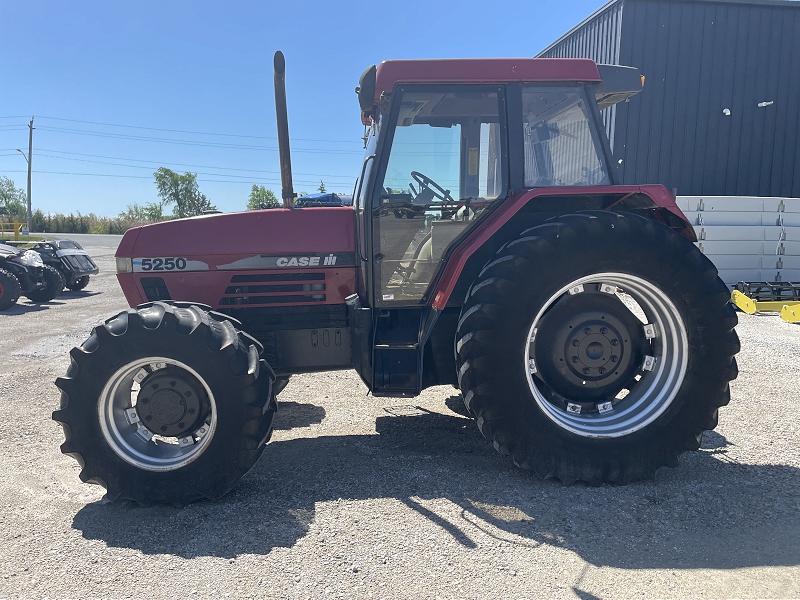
(532, 207)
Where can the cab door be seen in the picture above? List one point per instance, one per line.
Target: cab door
(441, 167)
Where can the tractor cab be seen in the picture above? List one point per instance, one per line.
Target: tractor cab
(446, 142)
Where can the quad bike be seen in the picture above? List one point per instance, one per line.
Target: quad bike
(591, 340)
(70, 260)
(22, 273)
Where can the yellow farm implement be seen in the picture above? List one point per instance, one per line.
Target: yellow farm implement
(776, 297)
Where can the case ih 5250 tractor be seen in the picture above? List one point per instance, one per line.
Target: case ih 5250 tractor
(489, 247)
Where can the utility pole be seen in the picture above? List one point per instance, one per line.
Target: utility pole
(28, 159)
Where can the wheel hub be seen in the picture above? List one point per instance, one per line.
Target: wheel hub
(170, 404)
(589, 346)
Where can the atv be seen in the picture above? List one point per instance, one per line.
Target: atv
(70, 260)
(23, 273)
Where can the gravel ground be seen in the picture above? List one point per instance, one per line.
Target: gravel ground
(360, 497)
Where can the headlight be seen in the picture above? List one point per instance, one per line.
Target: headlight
(31, 259)
(124, 265)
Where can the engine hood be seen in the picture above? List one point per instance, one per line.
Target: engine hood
(221, 241)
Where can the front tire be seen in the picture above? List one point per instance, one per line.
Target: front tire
(166, 403)
(53, 284)
(597, 348)
(78, 284)
(9, 289)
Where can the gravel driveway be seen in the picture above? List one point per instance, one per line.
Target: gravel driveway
(361, 497)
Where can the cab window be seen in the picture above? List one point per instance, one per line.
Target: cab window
(561, 147)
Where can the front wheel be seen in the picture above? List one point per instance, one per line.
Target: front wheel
(53, 284)
(167, 403)
(78, 284)
(597, 348)
(9, 289)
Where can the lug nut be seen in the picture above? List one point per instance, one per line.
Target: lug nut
(587, 331)
(586, 371)
(155, 386)
(574, 359)
(148, 418)
(144, 400)
(190, 411)
(163, 428)
(181, 425)
(602, 371)
(603, 330)
(189, 393)
(576, 343)
(614, 358)
(614, 342)
(172, 383)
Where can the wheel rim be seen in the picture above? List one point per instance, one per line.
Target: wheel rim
(657, 356)
(157, 414)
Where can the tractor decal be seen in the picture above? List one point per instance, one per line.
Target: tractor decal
(270, 261)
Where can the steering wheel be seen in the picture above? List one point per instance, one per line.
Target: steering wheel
(426, 182)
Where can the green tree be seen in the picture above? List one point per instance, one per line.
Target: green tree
(182, 191)
(150, 212)
(321, 187)
(13, 201)
(261, 197)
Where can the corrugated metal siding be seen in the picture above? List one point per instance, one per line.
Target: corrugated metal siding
(597, 39)
(700, 57)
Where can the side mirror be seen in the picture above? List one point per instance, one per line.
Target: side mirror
(366, 89)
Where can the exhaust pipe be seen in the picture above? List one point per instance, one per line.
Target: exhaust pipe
(287, 191)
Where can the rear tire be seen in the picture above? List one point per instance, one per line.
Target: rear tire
(166, 403)
(78, 284)
(9, 289)
(54, 283)
(531, 355)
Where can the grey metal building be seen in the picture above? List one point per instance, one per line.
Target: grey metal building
(720, 110)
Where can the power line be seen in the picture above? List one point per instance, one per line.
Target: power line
(248, 182)
(162, 163)
(120, 136)
(150, 168)
(239, 135)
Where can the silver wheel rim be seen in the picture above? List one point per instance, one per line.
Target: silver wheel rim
(661, 378)
(130, 439)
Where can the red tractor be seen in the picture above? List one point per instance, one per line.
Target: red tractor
(488, 247)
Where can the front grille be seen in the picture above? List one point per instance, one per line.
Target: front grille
(274, 288)
(155, 288)
(260, 319)
(79, 262)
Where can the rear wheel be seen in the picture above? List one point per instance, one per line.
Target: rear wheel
(53, 284)
(597, 348)
(9, 289)
(78, 284)
(167, 403)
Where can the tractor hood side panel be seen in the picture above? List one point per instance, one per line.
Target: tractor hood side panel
(263, 258)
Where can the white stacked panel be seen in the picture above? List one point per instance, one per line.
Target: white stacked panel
(747, 238)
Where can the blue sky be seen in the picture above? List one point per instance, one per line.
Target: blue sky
(84, 68)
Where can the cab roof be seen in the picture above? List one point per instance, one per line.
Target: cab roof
(483, 70)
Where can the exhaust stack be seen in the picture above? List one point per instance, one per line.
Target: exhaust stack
(287, 191)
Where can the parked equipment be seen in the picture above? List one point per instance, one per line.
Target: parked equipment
(781, 297)
(591, 340)
(70, 260)
(22, 273)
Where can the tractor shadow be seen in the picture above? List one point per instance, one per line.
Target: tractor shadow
(712, 512)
